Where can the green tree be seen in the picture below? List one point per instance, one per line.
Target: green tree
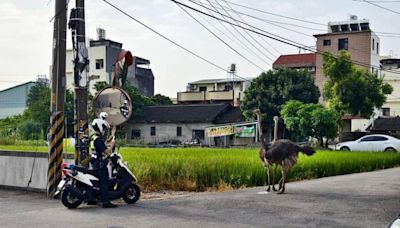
(272, 89)
(310, 120)
(349, 89)
(159, 99)
(38, 107)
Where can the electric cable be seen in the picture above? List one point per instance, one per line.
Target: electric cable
(59, 12)
(308, 35)
(240, 17)
(33, 165)
(238, 42)
(379, 6)
(274, 36)
(250, 35)
(234, 36)
(216, 36)
(171, 41)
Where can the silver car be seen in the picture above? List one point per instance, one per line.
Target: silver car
(371, 143)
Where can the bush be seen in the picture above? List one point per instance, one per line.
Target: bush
(30, 130)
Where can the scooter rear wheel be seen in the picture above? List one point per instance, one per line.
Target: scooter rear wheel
(132, 194)
(69, 200)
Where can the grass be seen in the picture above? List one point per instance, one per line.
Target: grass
(201, 169)
(204, 169)
(33, 146)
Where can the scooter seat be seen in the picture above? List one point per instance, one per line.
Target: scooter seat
(85, 170)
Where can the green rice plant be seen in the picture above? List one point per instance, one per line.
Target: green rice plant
(199, 169)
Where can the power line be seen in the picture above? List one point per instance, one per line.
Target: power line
(259, 18)
(274, 37)
(377, 5)
(224, 16)
(248, 60)
(256, 40)
(278, 15)
(171, 41)
(293, 18)
(237, 41)
(251, 43)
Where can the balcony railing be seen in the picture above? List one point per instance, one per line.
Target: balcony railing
(219, 95)
(191, 96)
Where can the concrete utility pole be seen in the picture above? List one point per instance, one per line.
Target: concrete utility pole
(57, 97)
(81, 61)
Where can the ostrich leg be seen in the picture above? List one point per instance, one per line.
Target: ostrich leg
(273, 178)
(267, 174)
(282, 181)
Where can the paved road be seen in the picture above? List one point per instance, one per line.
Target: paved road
(357, 200)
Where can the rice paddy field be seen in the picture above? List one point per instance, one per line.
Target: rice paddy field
(209, 169)
(202, 169)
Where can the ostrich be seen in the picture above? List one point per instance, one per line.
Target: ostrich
(281, 152)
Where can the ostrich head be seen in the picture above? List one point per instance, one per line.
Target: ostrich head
(257, 111)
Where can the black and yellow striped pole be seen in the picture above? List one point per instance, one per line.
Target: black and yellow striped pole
(56, 152)
(57, 97)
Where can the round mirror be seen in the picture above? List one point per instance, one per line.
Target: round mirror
(115, 102)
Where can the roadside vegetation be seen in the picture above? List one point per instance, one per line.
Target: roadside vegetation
(209, 169)
(200, 169)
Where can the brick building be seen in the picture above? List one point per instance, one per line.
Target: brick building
(354, 36)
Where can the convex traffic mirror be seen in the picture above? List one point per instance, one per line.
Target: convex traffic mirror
(115, 102)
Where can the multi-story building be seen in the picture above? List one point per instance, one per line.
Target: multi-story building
(354, 36)
(305, 61)
(102, 54)
(13, 100)
(214, 91)
(391, 74)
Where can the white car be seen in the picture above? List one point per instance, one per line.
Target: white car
(371, 143)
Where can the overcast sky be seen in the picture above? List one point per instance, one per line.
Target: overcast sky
(26, 35)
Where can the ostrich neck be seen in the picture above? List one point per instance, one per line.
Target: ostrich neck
(260, 132)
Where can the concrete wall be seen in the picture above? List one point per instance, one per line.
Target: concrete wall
(16, 169)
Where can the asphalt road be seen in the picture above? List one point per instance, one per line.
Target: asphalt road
(357, 200)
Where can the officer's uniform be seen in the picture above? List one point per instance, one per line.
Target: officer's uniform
(97, 147)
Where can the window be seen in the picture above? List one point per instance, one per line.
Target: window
(203, 88)
(152, 131)
(386, 111)
(373, 44)
(373, 139)
(377, 48)
(178, 131)
(99, 63)
(327, 42)
(343, 44)
(135, 134)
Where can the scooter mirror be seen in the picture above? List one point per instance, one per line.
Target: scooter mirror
(115, 102)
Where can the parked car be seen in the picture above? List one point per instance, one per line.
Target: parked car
(371, 143)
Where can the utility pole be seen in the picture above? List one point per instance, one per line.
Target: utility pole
(81, 61)
(57, 97)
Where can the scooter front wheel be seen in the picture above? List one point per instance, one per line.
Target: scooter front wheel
(69, 200)
(132, 194)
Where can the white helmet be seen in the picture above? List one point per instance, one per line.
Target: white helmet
(103, 115)
(100, 125)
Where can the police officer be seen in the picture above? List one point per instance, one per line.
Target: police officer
(99, 149)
